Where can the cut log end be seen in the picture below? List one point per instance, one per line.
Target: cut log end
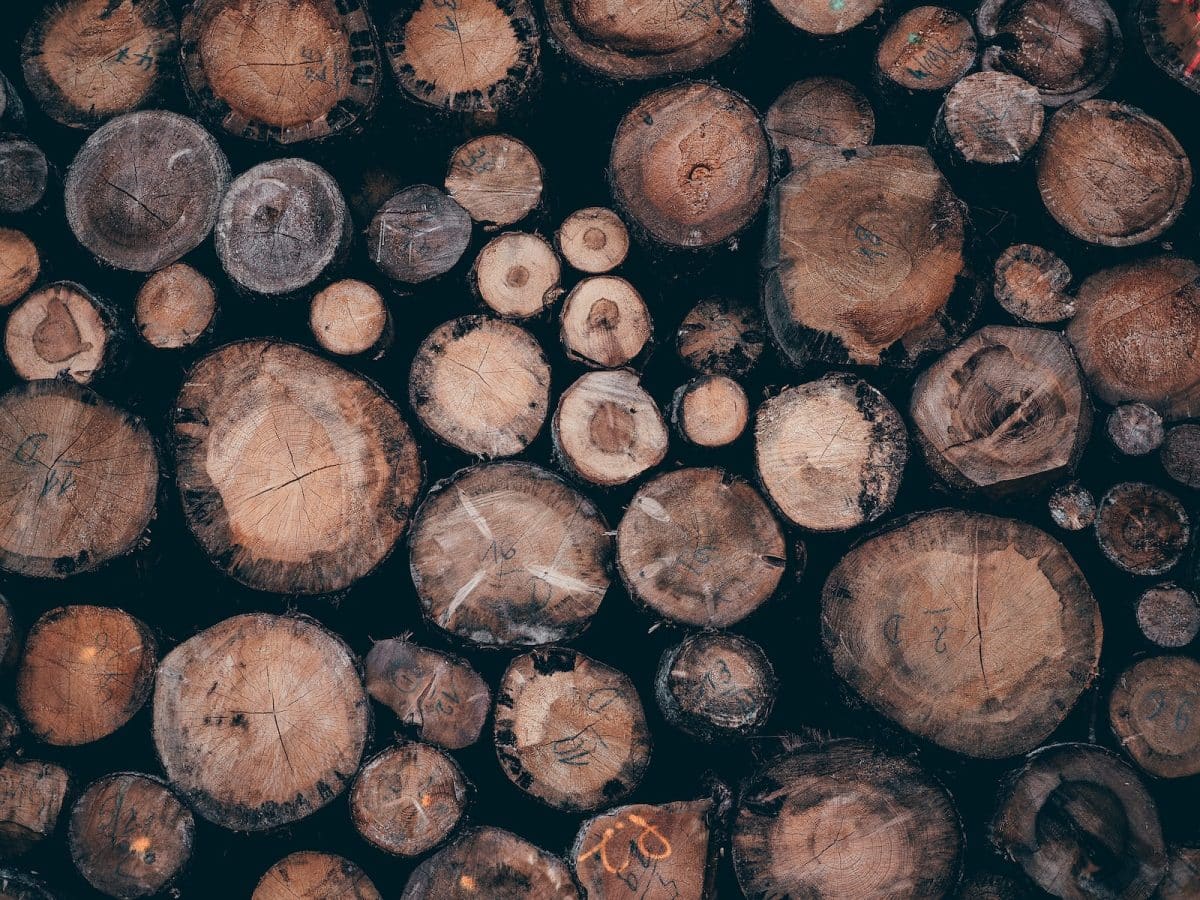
(818, 113)
(495, 178)
(1169, 615)
(1180, 454)
(61, 328)
(493, 863)
(517, 275)
(418, 234)
(24, 175)
(1168, 32)
(349, 317)
(1135, 429)
(175, 307)
(593, 240)
(1142, 529)
(1073, 507)
(31, 797)
(990, 119)
(721, 337)
(1153, 713)
(926, 50)
(711, 411)
(309, 875)
(715, 685)
(20, 265)
(1031, 285)
(825, 19)
(604, 322)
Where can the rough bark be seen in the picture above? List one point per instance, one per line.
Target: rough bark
(604, 322)
(418, 234)
(495, 178)
(61, 328)
(818, 113)
(309, 875)
(1031, 285)
(1141, 528)
(175, 307)
(489, 862)
(593, 240)
(349, 317)
(711, 411)
(720, 336)
(715, 685)
(517, 275)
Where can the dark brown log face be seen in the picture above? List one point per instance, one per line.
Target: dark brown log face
(826, 18)
(1170, 31)
(711, 411)
(31, 798)
(864, 257)
(1081, 825)
(60, 328)
(78, 478)
(991, 119)
(145, 189)
(418, 234)
(87, 60)
(843, 820)
(1112, 175)
(721, 337)
(570, 730)
(1031, 284)
(24, 175)
(517, 275)
(927, 49)
(593, 240)
(226, 702)
(1073, 507)
(20, 264)
(14, 886)
(1169, 615)
(175, 307)
(991, 886)
(715, 684)
(920, 621)
(488, 862)
(818, 113)
(1182, 880)
(1067, 49)
(350, 317)
(1141, 528)
(495, 178)
(690, 164)
(699, 546)
(1180, 454)
(1154, 711)
(308, 875)
(1135, 429)
(605, 322)
(129, 835)
(281, 70)
(508, 554)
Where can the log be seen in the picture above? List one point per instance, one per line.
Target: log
(20, 265)
(1168, 615)
(1171, 37)
(16, 886)
(570, 731)
(924, 52)
(497, 179)
(517, 275)
(844, 820)
(12, 110)
(1135, 429)
(701, 547)
(61, 328)
(1183, 874)
(720, 336)
(989, 123)
(78, 479)
(418, 234)
(281, 71)
(711, 411)
(1180, 454)
(715, 685)
(1112, 175)
(814, 114)
(130, 836)
(440, 696)
(1142, 529)
(226, 702)
(145, 189)
(920, 622)
(425, 41)
(489, 862)
(1067, 49)
(1154, 711)
(1005, 412)
(408, 799)
(593, 240)
(690, 164)
(830, 453)
(24, 175)
(870, 284)
(607, 429)
(1031, 285)
(175, 307)
(1073, 507)
(1057, 824)
(31, 798)
(297, 476)
(85, 672)
(507, 554)
(281, 224)
(349, 318)
(604, 322)
(309, 875)
(482, 385)
(85, 61)
(829, 20)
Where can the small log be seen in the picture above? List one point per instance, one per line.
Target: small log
(489, 862)
(20, 265)
(721, 337)
(593, 240)
(715, 685)
(481, 385)
(989, 122)
(349, 317)
(308, 875)
(1031, 285)
(61, 328)
(1168, 615)
(175, 307)
(226, 702)
(1182, 880)
(85, 61)
(711, 411)
(24, 174)
(1135, 429)
(16, 886)
(78, 479)
(924, 52)
(85, 672)
(607, 429)
(848, 284)
(495, 178)
(1073, 507)
(1005, 412)
(1170, 37)
(507, 554)
(31, 798)
(919, 620)
(425, 41)
(1112, 175)
(438, 695)
(418, 234)
(296, 475)
(701, 547)
(570, 731)
(1067, 49)
(830, 453)
(1180, 454)
(605, 322)
(408, 799)
(1154, 711)
(517, 275)
(130, 836)
(1141, 528)
(145, 189)
(690, 164)
(817, 113)
(825, 19)
(281, 70)
(843, 820)
(1057, 824)
(281, 224)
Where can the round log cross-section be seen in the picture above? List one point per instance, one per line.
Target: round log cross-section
(309, 875)
(491, 863)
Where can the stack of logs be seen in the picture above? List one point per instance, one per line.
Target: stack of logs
(944, 446)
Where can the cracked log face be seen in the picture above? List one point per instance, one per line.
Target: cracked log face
(495, 178)
(1032, 283)
(818, 113)
(491, 863)
(418, 234)
(260, 720)
(721, 337)
(59, 328)
(990, 119)
(297, 476)
(309, 875)
(975, 632)
(507, 554)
